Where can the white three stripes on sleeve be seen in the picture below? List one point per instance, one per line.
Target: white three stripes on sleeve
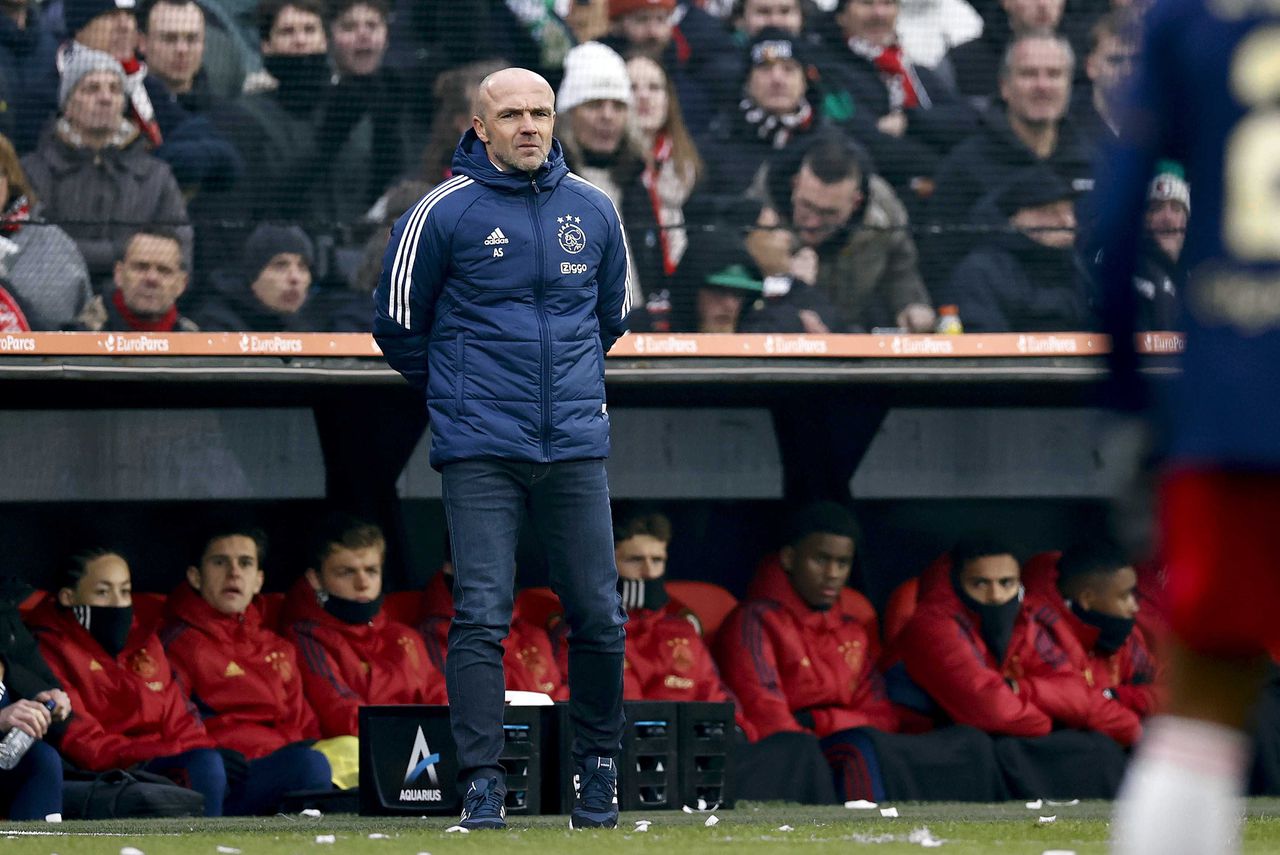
(630, 283)
(407, 251)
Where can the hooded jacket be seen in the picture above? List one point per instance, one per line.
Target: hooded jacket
(784, 658)
(345, 666)
(500, 294)
(242, 677)
(1037, 685)
(528, 660)
(128, 708)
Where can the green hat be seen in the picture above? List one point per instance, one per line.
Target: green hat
(736, 276)
(1170, 182)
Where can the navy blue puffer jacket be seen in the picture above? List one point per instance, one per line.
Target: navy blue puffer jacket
(500, 294)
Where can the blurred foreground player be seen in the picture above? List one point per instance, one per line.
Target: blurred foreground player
(1205, 92)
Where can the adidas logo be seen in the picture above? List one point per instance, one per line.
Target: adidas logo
(496, 237)
(233, 670)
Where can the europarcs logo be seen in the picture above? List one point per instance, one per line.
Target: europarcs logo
(422, 764)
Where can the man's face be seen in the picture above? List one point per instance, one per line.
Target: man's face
(359, 40)
(1052, 225)
(228, 577)
(649, 88)
(818, 566)
(295, 33)
(113, 32)
(646, 31)
(599, 125)
(283, 284)
(1110, 62)
(516, 120)
(150, 276)
(1112, 594)
(719, 309)
(352, 574)
(819, 210)
(106, 582)
(96, 105)
(778, 86)
(781, 14)
(874, 21)
(1038, 84)
(1027, 15)
(992, 580)
(642, 557)
(1167, 222)
(174, 43)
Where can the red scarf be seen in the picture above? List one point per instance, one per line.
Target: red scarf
(661, 154)
(140, 110)
(18, 213)
(165, 323)
(891, 64)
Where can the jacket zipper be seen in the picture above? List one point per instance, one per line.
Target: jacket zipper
(544, 329)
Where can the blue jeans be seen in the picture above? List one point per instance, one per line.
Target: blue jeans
(485, 502)
(294, 767)
(199, 769)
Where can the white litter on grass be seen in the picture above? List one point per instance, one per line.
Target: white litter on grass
(702, 804)
(889, 812)
(643, 824)
(785, 828)
(376, 836)
(1045, 820)
(457, 829)
(686, 809)
(711, 820)
(228, 850)
(53, 817)
(326, 838)
(1059, 852)
(924, 837)
(313, 813)
(129, 850)
(1071, 803)
(860, 804)
(1036, 805)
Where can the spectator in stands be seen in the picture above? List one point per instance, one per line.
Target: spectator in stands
(1112, 49)
(1029, 277)
(1035, 83)
(833, 205)
(271, 290)
(128, 707)
(352, 653)
(905, 116)
(33, 788)
(691, 46)
(998, 659)
(28, 86)
(172, 40)
(973, 66)
(149, 278)
(810, 667)
(1160, 278)
(1099, 588)
(41, 272)
(528, 661)
(593, 116)
(92, 172)
(773, 115)
(243, 678)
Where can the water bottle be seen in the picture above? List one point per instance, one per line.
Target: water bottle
(16, 743)
(949, 320)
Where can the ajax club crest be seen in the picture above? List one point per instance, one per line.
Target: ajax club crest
(571, 237)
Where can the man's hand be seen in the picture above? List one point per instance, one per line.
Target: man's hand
(28, 716)
(812, 322)
(917, 318)
(769, 244)
(62, 703)
(804, 266)
(893, 124)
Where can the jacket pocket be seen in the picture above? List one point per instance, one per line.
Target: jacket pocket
(460, 372)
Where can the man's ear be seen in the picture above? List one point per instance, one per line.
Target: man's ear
(66, 597)
(477, 125)
(1087, 599)
(193, 577)
(313, 579)
(787, 557)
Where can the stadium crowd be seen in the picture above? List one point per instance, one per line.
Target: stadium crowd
(781, 165)
(982, 678)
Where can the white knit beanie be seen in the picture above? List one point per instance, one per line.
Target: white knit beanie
(593, 72)
(80, 62)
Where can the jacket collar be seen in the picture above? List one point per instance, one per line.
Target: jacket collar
(471, 159)
(771, 583)
(185, 603)
(301, 605)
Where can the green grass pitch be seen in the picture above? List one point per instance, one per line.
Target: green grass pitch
(961, 829)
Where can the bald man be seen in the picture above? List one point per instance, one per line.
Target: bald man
(501, 292)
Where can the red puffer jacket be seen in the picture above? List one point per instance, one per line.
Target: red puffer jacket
(242, 676)
(346, 665)
(1039, 683)
(126, 709)
(782, 657)
(527, 661)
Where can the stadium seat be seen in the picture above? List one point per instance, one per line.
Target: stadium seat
(709, 602)
(539, 606)
(148, 609)
(1040, 574)
(272, 605)
(403, 606)
(899, 609)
